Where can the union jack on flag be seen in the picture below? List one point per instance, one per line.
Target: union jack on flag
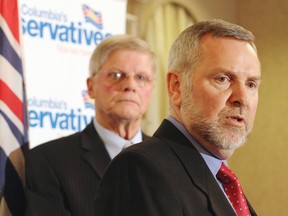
(13, 113)
(92, 16)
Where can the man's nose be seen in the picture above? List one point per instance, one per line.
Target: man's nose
(129, 83)
(239, 95)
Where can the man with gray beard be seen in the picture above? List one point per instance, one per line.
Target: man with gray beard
(213, 80)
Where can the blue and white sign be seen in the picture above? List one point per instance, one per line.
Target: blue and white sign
(58, 38)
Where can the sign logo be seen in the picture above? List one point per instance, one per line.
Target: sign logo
(88, 102)
(58, 26)
(92, 16)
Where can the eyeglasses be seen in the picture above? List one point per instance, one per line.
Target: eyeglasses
(141, 79)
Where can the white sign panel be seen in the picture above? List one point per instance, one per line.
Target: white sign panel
(58, 38)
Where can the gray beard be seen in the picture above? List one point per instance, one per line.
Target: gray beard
(215, 131)
(223, 137)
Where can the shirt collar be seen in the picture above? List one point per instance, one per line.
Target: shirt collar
(113, 142)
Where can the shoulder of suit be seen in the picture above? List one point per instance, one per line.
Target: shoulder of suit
(65, 142)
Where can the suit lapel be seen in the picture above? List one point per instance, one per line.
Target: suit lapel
(252, 211)
(94, 151)
(195, 167)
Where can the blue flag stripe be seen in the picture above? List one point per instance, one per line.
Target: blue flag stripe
(7, 51)
(17, 134)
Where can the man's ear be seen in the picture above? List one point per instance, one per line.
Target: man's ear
(173, 85)
(89, 82)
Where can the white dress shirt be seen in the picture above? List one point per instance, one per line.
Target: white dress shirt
(114, 143)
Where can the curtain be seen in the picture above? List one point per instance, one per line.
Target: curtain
(162, 28)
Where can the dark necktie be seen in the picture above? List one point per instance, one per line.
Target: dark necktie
(233, 190)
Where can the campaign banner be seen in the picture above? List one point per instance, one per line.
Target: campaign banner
(58, 38)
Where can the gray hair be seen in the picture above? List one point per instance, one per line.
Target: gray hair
(115, 43)
(185, 50)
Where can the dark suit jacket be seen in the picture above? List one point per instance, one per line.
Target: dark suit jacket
(63, 175)
(162, 176)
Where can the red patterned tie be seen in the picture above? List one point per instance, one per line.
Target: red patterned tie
(233, 190)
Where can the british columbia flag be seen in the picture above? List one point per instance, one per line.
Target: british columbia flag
(13, 113)
(88, 102)
(92, 16)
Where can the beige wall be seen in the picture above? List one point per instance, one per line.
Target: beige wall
(263, 162)
(200, 9)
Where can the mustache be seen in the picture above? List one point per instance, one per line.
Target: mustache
(236, 111)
